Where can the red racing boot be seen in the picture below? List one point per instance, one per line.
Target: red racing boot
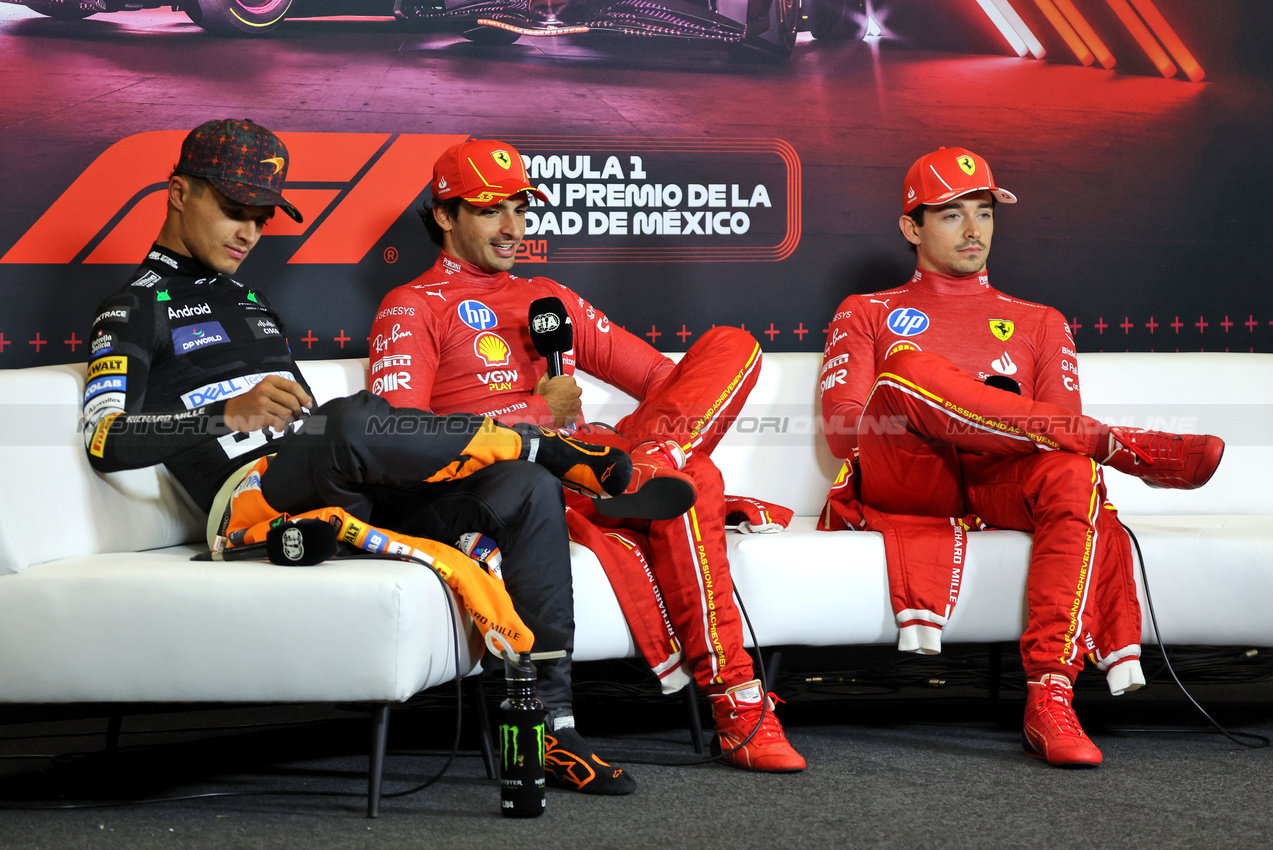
(658, 489)
(1051, 730)
(1174, 461)
(737, 712)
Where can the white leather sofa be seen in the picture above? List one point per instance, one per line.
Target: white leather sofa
(99, 601)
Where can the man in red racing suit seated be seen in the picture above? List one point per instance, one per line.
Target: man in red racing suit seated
(954, 405)
(192, 369)
(457, 339)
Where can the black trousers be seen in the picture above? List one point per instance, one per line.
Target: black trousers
(371, 459)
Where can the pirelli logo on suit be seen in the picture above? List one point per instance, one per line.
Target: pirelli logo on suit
(97, 446)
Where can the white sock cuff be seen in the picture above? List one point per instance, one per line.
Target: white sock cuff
(921, 638)
(1125, 676)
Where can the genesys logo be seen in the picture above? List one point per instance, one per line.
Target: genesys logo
(621, 200)
(395, 311)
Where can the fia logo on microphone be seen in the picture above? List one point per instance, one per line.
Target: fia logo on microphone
(545, 323)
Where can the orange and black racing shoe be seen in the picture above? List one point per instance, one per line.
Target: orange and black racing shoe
(596, 471)
(571, 764)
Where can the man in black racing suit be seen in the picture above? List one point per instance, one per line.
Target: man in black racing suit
(192, 369)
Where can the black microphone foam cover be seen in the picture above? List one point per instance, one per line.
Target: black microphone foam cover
(550, 328)
(301, 542)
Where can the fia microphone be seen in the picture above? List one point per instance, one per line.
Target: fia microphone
(551, 332)
(295, 543)
(301, 542)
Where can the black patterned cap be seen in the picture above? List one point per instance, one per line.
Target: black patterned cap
(245, 161)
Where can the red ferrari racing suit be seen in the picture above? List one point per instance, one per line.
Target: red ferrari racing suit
(457, 339)
(902, 389)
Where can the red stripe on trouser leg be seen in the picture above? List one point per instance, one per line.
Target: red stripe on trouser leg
(1058, 496)
(702, 396)
(622, 556)
(1117, 623)
(927, 395)
(689, 560)
(694, 406)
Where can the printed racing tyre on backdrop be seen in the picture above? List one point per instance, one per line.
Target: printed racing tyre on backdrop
(829, 20)
(771, 28)
(237, 17)
(490, 35)
(67, 11)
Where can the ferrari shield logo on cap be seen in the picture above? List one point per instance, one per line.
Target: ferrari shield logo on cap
(502, 159)
(1002, 329)
(967, 164)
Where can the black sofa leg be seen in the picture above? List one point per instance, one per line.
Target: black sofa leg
(114, 724)
(996, 669)
(487, 743)
(773, 667)
(696, 722)
(379, 741)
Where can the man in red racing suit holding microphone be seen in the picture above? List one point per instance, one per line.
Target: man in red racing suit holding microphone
(457, 339)
(949, 399)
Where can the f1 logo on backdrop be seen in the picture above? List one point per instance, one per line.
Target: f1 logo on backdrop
(647, 200)
(350, 187)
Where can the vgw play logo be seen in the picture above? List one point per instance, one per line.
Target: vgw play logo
(350, 188)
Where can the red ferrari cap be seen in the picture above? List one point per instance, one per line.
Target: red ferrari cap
(947, 173)
(482, 172)
(245, 161)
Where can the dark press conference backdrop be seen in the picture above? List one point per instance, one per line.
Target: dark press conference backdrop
(688, 186)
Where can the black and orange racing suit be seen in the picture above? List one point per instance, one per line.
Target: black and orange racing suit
(170, 347)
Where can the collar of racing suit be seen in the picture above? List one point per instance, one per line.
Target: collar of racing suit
(469, 273)
(167, 260)
(941, 284)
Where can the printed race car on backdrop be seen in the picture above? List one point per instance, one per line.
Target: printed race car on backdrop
(765, 26)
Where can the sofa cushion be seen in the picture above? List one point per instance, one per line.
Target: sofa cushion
(158, 627)
(52, 504)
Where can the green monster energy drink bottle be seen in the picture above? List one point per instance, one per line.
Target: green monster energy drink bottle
(521, 742)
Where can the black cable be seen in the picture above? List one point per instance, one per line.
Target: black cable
(1232, 736)
(459, 678)
(764, 705)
